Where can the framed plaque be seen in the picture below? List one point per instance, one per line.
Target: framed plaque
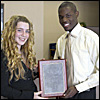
(52, 77)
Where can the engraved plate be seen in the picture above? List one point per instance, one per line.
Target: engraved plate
(52, 77)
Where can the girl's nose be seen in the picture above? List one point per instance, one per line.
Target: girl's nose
(24, 33)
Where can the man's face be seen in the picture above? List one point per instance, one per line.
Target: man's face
(68, 18)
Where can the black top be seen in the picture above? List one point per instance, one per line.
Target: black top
(21, 89)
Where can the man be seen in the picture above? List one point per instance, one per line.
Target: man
(82, 57)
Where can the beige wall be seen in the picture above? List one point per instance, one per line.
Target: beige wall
(34, 11)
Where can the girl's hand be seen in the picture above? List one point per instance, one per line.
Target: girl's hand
(37, 95)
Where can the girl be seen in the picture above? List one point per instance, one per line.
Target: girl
(18, 60)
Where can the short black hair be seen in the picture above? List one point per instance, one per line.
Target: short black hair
(68, 4)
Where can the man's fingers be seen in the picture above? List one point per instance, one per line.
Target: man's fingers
(43, 58)
(36, 65)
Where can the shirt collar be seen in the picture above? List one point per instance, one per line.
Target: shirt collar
(75, 31)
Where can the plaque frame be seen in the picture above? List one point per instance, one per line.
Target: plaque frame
(44, 73)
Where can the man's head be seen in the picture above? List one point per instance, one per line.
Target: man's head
(68, 15)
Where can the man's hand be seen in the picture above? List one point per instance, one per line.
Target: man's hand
(70, 92)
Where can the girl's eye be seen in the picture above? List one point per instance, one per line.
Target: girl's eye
(19, 30)
(22, 30)
(27, 31)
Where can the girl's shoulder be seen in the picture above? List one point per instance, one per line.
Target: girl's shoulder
(2, 55)
(3, 58)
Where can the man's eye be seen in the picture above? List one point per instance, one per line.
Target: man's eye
(68, 16)
(60, 17)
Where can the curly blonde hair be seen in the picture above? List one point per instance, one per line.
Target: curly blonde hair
(10, 48)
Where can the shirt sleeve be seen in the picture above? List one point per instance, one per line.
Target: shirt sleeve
(93, 79)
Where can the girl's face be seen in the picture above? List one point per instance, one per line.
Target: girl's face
(22, 33)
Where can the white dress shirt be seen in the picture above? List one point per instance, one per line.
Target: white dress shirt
(85, 56)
